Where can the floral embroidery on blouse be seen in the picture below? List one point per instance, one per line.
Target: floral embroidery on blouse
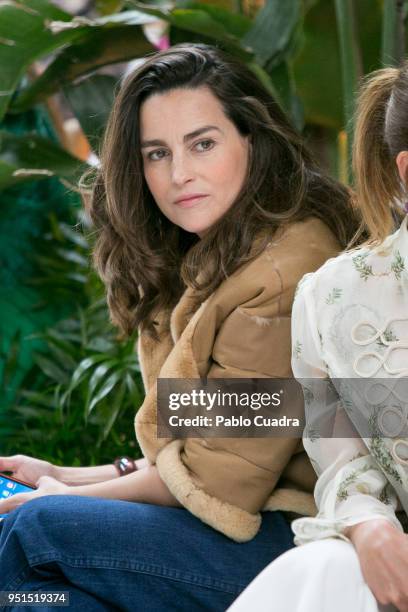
(335, 294)
(297, 349)
(355, 330)
(342, 491)
(365, 270)
(398, 265)
(361, 266)
(380, 451)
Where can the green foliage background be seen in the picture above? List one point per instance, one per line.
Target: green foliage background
(69, 387)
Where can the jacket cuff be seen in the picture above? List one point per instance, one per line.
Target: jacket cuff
(291, 500)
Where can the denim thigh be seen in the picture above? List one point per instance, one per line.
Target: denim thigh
(119, 555)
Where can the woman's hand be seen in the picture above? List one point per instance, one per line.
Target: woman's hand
(27, 469)
(383, 553)
(46, 486)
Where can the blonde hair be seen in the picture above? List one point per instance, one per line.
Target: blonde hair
(381, 132)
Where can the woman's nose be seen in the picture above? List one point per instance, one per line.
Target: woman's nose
(181, 169)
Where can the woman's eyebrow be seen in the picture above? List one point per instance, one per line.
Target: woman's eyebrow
(155, 143)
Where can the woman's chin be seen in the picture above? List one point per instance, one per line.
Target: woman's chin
(195, 228)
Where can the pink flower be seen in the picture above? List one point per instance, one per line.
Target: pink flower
(163, 43)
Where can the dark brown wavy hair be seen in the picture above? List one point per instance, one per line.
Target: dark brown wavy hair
(145, 261)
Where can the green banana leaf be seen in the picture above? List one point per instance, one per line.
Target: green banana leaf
(106, 7)
(273, 36)
(236, 24)
(91, 101)
(24, 158)
(24, 38)
(100, 42)
(272, 30)
(208, 22)
(317, 66)
(229, 5)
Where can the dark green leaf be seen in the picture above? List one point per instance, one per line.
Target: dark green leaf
(393, 39)
(106, 7)
(24, 158)
(91, 101)
(73, 257)
(54, 336)
(203, 23)
(98, 46)
(284, 85)
(85, 364)
(317, 68)
(64, 359)
(273, 27)
(264, 77)
(98, 376)
(24, 37)
(31, 412)
(37, 397)
(100, 344)
(235, 24)
(134, 391)
(117, 406)
(74, 235)
(105, 389)
(50, 369)
(12, 359)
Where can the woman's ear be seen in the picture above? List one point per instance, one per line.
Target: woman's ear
(402, 164)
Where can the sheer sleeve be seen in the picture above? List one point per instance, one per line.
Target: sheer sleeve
(351, 488)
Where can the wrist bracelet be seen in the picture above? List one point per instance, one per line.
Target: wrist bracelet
(125, 465)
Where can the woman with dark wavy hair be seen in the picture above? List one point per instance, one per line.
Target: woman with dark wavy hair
(208, 211)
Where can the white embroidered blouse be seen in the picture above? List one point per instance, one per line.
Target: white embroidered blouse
(350, 321)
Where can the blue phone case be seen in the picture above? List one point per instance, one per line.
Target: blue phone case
(10, 487)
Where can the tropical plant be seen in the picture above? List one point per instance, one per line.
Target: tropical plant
(310, 53)
(77, 404)
(77, 48)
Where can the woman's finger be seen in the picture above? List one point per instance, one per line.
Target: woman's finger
(8, 463)
(8, 504)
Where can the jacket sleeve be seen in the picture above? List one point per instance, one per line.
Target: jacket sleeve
(244, 331)
(351, 488)
(253, 341)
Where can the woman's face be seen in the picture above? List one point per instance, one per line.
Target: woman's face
(190, 148)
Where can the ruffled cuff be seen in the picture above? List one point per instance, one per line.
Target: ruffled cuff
(355, 510)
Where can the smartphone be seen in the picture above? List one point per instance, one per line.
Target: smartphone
(11, 486)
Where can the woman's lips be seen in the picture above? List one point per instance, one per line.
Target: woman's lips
(190, 202)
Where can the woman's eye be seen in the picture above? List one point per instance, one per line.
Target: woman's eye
(205, 145)
(156, 155)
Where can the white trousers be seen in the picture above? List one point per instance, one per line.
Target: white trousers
(323, 576)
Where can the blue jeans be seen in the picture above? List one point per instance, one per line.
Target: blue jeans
(117, 555)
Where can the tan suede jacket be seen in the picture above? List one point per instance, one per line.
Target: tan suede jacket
(241, 330)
